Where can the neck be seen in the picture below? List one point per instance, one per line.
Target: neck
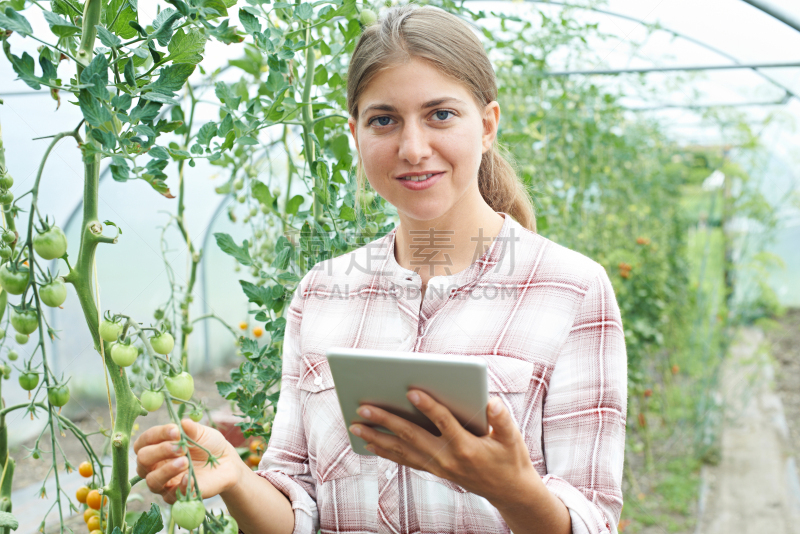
(448, 244)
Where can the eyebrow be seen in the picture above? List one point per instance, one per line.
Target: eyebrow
(426, 105)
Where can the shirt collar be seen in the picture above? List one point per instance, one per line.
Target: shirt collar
(487, 262)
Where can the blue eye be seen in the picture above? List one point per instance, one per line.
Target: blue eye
(438, 114)
(381, 119)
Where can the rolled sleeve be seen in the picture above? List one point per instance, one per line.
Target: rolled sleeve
(585, 412)
(285, 463)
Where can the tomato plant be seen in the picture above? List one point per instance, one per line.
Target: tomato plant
(50, 242)
(123, 355)
(162, 343)
(180, 386)
(53, 293)
(188, 514)
(58, 395)
(152, 400)
(14, 279)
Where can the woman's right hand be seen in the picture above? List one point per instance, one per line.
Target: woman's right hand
(166, 469)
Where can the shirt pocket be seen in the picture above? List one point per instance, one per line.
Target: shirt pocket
(330, 453)
(510, 379)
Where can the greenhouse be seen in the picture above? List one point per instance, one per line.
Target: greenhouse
(197, 157)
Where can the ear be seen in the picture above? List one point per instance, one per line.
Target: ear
(491, 120)
(351, 122)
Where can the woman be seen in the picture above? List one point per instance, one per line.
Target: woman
(424, 117)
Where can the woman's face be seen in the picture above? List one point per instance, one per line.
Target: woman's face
(414, 120)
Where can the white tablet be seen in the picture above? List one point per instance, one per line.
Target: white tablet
(382, 379)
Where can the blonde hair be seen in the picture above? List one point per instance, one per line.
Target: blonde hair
(441, 38)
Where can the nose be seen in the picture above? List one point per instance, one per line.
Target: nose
(414, 144)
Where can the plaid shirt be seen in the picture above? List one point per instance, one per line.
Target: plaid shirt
(546, 321)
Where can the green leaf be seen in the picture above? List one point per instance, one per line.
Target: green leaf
(149, 523)
(227, 390)
(7, 520)
(206, 133)
(256, 294)
(262, 194)
(249, 22)
(60, 26)
(62, 8)
(229, 247)
(171, 79)
(294, 204)
(163, 24)
(144, 111)
(304, 11)
(160, 98)
(122, 26)
(107, 139)
(108, 38)
(282, 258)
(130, 73)
(320, 75)
(97, 75)
(347, 213)
(122, 101)
(93, 111)
(246, 140)
(159, 152)
(24, 67)
(15, 22)
(120, 172)
(187, 47)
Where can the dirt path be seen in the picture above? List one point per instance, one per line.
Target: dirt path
(752, 490)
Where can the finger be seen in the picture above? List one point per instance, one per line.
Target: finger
(157, 479)
(171, 494)
(439, 415)
(157, 434)
(409, 442)
(500, 420)
(149, 456)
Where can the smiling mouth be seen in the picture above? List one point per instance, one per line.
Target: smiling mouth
(420, 178)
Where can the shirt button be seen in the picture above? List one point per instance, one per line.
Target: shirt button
(318, 381)
(389, 474)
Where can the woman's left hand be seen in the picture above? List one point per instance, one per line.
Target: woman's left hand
(494, 466)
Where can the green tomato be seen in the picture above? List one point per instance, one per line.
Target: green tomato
(196, 415)
(109, 330)
(231, 527)
(54, 294)
(253, 212)
(24, 322)
(14, 282)
(51, 244)
(29, 380)
(12, 355)
(58, 395)
(371, 229)
(6, 197)
(368, 17)
(123, 355)
(5, 251)
(9, 237)
(21, 339)
(238, 184)
(187, 329)
(180, 386)
(188, 514)
(6, 181)
(158, 314)
(152, 400)
(163, 343)
(6, 371)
